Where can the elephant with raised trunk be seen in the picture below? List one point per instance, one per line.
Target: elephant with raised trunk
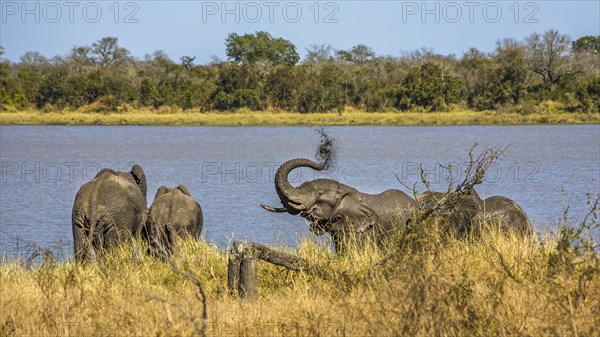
(174, 213)
(507, 214)
(107, 210)
(340, 210)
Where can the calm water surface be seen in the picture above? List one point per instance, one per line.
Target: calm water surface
(229, 170)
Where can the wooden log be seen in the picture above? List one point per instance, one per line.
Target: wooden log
(248, 286)
(289, 261)
(242, 278)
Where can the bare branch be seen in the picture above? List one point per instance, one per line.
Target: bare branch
(474, 175)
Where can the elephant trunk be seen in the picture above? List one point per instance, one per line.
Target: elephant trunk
(290, 196)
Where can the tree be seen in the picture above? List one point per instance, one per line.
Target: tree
(428, 86)
(421, 56)
(33, 58)
(586, 54)
(473, 68)
(260, 47)
(187, 61)
(588, 96)
(81, 58)
(54, 89)
(547, 55)
(510, 80)
(147, 92)
(320, 89)
(359, 54)
(107, 51)
(10, 90)
(281, 87)
(237, 86)
(319, 53)
(589, 44)
(30, 73)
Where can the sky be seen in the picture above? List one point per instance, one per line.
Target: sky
(199, 28)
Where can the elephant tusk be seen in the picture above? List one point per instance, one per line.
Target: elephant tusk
(298, 207)
(273, 209)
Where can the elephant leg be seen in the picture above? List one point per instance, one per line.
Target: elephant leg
(113, 231)
(106, 234)
(170, 238)
(156, 237)
(82, 241)
(138, 235)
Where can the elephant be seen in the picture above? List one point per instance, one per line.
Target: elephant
(470, 214)
(107, 210)
(174, 213)
(340, 210)
(459, 215)
(507, 214)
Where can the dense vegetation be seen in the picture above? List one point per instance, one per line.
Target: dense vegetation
(544, 73)
(492, 286)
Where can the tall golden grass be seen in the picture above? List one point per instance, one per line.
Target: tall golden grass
(496, 285)
(179, 117)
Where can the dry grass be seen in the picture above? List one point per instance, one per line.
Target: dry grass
(275, 118)
(493, 286)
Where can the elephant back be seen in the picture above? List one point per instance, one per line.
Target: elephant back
(506, 213)
(460, 215)
(176, 211)
(120, 187)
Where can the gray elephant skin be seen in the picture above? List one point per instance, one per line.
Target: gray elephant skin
(107, 210)
(340, 210)
(468, 214)
(460, 214)
(174, 213)
(507, 214)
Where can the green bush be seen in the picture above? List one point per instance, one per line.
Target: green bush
(224, 101)
(427, 87)
(262, 72)
(248, 98)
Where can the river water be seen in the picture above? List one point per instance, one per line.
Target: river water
(229, 170)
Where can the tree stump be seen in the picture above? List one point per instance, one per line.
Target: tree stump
(242, 279)
(233, 271)
(248, 287)
(241, 271)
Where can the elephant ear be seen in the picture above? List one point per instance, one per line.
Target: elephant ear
(184, 189)
(350, 208)
(367, 220)
(161, 190)
(140, 178)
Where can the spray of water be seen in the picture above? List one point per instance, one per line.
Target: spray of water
(326, 151)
